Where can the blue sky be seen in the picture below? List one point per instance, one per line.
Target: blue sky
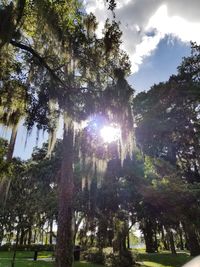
(160, 65)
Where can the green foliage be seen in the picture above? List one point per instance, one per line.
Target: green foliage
(93, 255)
(116, 260)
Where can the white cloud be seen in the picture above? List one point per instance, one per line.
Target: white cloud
(145, 22)
(175, 25)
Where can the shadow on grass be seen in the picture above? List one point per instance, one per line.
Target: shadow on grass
(40, 263)
(86, 264)
(165, 259)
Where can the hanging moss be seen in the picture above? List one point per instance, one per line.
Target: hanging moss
(53, 125)
(115, 107)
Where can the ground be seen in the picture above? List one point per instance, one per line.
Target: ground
(164, 259)
(25, 259)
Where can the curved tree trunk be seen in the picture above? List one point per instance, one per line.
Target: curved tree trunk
(64, 248)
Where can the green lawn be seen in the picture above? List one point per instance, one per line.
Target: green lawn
(26, 263)
(24, 254)
(24, 259)
(164, 259)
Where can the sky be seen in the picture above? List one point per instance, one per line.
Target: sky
(156, 35)
(145, 23)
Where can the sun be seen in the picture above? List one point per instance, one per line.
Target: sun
(110, 134)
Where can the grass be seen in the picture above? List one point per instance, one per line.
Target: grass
(24, 259)
(164, 259)
(26, 263)
(24, 254)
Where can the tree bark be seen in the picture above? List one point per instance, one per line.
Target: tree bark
(181, 238)
(21, 241)
(51, 232)
(192, 240)
(29, 235)
(163, 237)
(64, 248)
(149, 236)
(35, 236)
(171, 242)
(128, 240)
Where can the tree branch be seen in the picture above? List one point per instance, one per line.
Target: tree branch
(42, 62)
(40, 59)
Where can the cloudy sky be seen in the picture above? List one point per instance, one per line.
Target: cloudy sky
(156, 34)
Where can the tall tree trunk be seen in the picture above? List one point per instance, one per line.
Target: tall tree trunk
(76, 226)
(51, 232)
(156, 241)
(192, 240)
(35, 236)
(42, 235)
(21, 241)
(29, 235)
(64, 248)
(1, 233)
(180, 231)
(149, 236)
(164, 240)
(128, 240)
(171, 242)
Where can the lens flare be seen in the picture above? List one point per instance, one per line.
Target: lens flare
(110, 134)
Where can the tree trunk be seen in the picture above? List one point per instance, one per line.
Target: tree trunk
(35, 236)
(165, 243)
(29, 235)
(181, 238)
(64, 248)
(76, 226)
(21, 241)
(12, 142)
(192, 240)
(1, 234)
(128, 240)
(17, 238)
(149, 236)
(171, 242)
(25, 238)
(156, 241)
(42, 235)
(51, 232)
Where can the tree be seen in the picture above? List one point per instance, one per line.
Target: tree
(167, 119)
(67, 68)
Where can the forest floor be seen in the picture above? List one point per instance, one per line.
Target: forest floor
(162, 259)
